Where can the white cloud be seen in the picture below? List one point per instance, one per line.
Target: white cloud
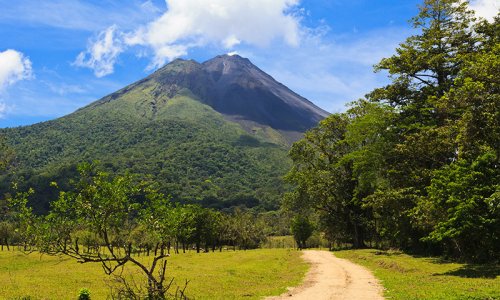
(194, 23)
(226, 23)
(102, 53)
(487, 9)
(14, 66)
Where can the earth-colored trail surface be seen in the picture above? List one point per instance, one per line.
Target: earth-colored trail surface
(334, 278)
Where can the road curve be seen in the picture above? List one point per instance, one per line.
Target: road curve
(332, 278)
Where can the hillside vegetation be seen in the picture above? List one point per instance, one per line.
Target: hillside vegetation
(187, 147)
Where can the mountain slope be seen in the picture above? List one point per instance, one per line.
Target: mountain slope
(206, 133)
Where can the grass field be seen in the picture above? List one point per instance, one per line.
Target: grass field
(227, 275)
(407, 277)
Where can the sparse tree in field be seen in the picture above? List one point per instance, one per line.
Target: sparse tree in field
(248, 228)
(107, 208)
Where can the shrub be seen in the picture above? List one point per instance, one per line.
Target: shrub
(84, 294)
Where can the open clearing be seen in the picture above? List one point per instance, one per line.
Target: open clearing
(226, 275)
(331, 278)
(248, 274)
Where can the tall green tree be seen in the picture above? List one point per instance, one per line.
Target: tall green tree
(425, 127)
(422, 71)
(461, 209)
(475, 97)
(415, 165)
(324, 180)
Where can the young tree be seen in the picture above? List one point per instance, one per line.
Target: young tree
(107, 208)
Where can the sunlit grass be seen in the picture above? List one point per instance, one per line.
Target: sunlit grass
(227, 275)
(406, 277)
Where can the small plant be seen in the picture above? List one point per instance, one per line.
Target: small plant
(84, 294)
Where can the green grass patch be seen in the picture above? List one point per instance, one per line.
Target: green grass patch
(408, 277)
(227, 275)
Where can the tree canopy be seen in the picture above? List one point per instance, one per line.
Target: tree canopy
(415, 165)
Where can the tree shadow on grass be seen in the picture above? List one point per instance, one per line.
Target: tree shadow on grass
(474, 271)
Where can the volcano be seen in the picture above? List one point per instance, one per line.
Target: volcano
(215, 133)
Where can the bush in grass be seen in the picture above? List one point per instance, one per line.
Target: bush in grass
(84, 294)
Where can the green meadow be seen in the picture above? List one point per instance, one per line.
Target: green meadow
(407, 277)
(249, 274)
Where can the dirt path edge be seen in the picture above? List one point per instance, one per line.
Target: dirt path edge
(332, 278)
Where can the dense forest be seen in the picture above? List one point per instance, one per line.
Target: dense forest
(415, 164)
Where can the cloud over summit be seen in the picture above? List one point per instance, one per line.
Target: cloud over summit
(195, 23)
(102, 53)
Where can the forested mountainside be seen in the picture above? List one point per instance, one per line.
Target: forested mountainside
(215, 133)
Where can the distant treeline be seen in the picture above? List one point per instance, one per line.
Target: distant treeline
(134, 215)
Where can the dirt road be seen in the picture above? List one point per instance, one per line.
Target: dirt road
(334, 278)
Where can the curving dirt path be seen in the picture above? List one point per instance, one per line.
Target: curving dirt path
(334, 278)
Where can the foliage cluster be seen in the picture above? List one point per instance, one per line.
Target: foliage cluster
(415, 165)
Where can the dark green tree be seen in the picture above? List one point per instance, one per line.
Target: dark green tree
(302, 229)
(406, 166)
(461, 210)
(324, 180)
(422, 71)
(464, 208)
(425, 127)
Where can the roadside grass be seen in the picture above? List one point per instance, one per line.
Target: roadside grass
(227, 275)
(409, 277)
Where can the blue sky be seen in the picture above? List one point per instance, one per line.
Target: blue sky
(57, 56)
